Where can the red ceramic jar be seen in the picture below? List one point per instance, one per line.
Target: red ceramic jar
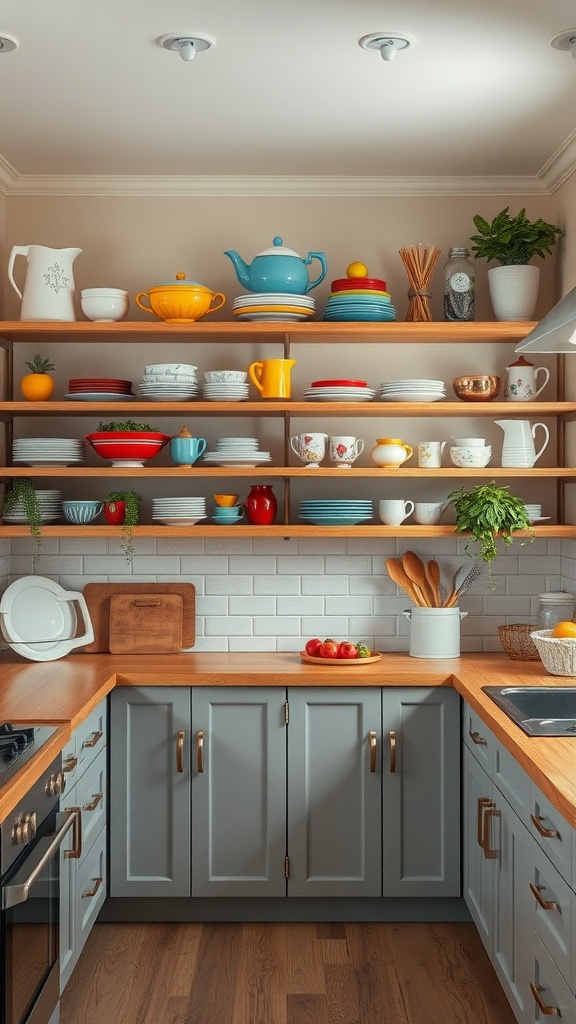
(261, 505)
(115, 512)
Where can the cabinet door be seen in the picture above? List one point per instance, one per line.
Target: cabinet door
(150, 791)
(508, 841)
(238, 791)
(68, 924)
(478, 871)
(334, 804)
(421, 791)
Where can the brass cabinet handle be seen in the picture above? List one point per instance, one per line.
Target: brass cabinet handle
(95, 737)
(200, 750)
(76, 852)
(94, 804)
(545, 904)
(92, 892)
(392, 736)
(180, 751)
(552, 1011)
(489, 853)
(477, 739)
(372, 742)
(70, 763)
(548, 833)
(483, 803)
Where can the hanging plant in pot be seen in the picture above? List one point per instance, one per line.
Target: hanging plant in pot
(122, 508)
(513, 241)
(22, 499)
(488, 513)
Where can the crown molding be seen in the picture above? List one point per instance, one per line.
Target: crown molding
(560, 166)
(8, 176)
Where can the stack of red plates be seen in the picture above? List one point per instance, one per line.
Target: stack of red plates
(93, 388)
(357, 284)
(338, 384)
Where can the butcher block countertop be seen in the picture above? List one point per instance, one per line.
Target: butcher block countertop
(64, 693)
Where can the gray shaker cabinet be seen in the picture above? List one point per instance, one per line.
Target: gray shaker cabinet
(421, 791)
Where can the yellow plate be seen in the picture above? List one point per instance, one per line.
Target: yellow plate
(357, 291)
(273, 309)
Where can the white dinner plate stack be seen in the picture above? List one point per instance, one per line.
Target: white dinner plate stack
(413, 390)
(50, 503)
(339, 393)
(48, 451)
(225, 391)
(166, 391)
(238, 451)
(178, 511)
(337, 511)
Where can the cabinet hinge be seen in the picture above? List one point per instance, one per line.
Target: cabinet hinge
(286, 712)
(286, 867)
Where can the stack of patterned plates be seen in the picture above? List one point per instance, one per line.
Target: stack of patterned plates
(166, 391)
(414, 390)
(273, 306)
(336, 512)
(100, 389)
(339, 391)
(238, 451)
(225, 391)
(178, 511)
(50, 503)
(48, 451)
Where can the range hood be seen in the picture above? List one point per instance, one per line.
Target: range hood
(556, 332)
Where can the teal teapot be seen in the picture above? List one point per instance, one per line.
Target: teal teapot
(277, 269)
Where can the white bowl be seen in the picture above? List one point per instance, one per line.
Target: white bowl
(225, 376)
(169, 378)
(172, 368)
(475, 456)
(104, 305)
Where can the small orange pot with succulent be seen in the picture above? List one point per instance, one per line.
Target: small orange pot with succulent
(38, 386)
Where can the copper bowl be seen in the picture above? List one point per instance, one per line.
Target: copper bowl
(477, 387)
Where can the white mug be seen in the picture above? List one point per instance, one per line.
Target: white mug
(311, 448)
(469, 442)
(393, 511)
(428, 513)
(430, 454)
(344, 450)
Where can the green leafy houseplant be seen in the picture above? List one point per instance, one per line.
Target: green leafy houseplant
(513, 241)
(23, 496)
(132, 501)
(487, 511)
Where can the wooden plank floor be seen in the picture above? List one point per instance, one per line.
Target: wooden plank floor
(284, 974)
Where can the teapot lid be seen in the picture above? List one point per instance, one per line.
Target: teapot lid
(520, 362)
(278, 249)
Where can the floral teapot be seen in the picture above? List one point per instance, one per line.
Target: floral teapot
(277, 269)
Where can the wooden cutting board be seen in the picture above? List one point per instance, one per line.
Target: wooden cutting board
(145, 624)
(97, 596)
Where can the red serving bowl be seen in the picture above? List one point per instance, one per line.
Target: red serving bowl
(129, 445)
(344, 284)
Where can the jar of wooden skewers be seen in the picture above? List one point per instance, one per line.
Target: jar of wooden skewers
(420, 261)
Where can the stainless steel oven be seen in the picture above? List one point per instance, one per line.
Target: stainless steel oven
(30, 840)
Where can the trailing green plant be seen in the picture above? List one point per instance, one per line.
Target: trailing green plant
(132, 501)
(488, 512)
(513, 241)
(22, 496)
(126, 426)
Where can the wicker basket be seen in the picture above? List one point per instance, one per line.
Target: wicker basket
(558, 653)
(517, 642)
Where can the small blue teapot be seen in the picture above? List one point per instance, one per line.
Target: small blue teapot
(277, 269)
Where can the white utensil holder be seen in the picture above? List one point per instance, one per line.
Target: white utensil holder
(434, 632)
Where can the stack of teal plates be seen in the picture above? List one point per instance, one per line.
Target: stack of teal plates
(336, 511)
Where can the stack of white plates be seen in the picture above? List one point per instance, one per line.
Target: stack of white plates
(226, 391)
(48, 451)
(178, 511)
(50, 503)
(339, 393)
(166, 391)
(413, 390)
(336, 511)
(273, 306)
(238, 451)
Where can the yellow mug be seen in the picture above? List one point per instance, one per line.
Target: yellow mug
(272, 377)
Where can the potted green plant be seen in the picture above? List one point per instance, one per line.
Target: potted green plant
(122, 508)
(513, 242)
(488, 512)
(23, 498)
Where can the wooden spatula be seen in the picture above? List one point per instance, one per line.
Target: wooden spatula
(433, 577)
(397, 573)
(416, 571)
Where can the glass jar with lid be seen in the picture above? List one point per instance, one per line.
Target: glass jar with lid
(459, 285)
(554, 607)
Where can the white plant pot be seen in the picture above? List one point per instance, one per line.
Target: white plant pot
(513, 291)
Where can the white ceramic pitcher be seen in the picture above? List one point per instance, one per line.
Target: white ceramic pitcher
(523, 381)
(49, 287)
(518, 450)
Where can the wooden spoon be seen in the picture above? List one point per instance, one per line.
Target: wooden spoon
(397, 573)
(416, 571)
(433, 577)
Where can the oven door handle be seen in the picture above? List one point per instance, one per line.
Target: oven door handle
(19, 892)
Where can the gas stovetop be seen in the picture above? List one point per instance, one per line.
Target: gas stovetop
(18, 744)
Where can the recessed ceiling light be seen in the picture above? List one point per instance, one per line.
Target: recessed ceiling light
(185, 44)
(388, 43)
(7, 43)
(565, 41)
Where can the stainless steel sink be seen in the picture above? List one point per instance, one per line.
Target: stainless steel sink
(538, 710)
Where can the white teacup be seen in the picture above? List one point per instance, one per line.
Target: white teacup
(393, 511)
(343, 451)
(310, 447)
(469, 442)
(430, 454)
(428, 513)
(471, 456)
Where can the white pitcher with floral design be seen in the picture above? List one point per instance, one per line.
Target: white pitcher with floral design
(48, 292)
(522, 383)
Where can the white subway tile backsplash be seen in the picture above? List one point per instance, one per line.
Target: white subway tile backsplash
(323, 545)
(325, 585)
(349, 605)
(355, 565)
(166, 564)
(82, 546)
(204, 565)
(305, 565)
(276, 585)
(229, 585)
(228, 545)
(244, 564)
(300, 605)
(277, 626)
(252, 643)
(228, 625)
(252, 606)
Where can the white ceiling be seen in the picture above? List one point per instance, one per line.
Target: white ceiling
(286, 91)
